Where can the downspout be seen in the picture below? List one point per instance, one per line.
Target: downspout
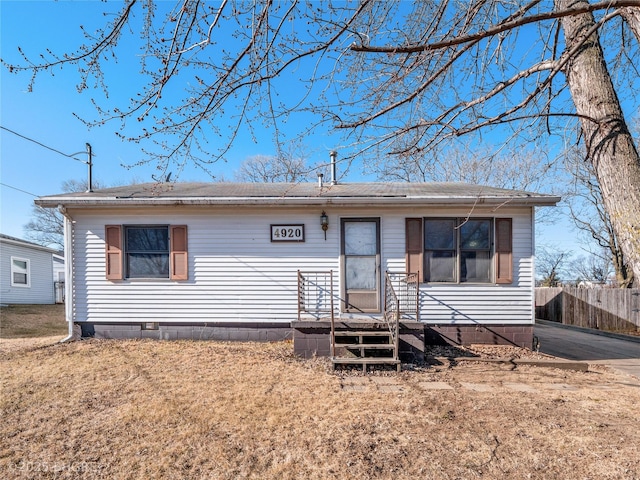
(533, 264)
(68, 271)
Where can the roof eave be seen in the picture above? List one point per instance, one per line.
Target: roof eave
(53, 202)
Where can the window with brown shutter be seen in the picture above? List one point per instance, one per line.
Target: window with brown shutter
(504, 249)
(113, 260)
(460, 250)
(179, 257)
(146, 251)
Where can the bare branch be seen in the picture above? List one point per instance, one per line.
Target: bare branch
(502, 27)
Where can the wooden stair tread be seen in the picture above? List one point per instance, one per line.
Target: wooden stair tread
(373, 346)
(367, 360)
(359, 333)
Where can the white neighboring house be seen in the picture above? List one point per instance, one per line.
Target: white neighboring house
(26, 272)
(224, 260)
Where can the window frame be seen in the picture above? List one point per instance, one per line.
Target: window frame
(27, 273)
(458, 250)
(128, 252)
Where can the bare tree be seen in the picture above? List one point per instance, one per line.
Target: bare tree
(587, 210)
(595, 267)
(522, 170)
(46, 226)
(290, 167)
(397, 78)
(550, 265)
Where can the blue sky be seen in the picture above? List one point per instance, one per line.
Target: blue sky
(47, 115)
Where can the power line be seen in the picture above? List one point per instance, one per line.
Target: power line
(43, 145)
(15, 188)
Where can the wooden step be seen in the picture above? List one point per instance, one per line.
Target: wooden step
(362, 333)
(371, 346)
(368, 360)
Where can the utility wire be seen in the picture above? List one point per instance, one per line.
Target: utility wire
(15, 188)
(43, 145)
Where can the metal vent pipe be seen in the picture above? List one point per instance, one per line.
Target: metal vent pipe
(333, 154)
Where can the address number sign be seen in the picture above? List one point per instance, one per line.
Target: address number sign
(287, 233)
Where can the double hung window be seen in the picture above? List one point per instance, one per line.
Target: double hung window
(20, 272)
(146, 251)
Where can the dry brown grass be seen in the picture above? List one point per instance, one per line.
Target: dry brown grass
(28, 321)
(153, 409)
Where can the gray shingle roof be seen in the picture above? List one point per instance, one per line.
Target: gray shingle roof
(298, 193)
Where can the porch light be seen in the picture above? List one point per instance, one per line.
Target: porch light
(324, 223)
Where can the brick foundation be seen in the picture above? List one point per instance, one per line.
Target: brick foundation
(312, 338)
(518, 335)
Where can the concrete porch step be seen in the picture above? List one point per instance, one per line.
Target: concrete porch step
(366, 361)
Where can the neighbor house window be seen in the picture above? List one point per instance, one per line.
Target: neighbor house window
(460, 250)
(146, 251)
(20, 272)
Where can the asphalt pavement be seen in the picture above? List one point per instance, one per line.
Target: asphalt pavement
(622, 353)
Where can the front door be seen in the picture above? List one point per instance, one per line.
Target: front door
(360, 251)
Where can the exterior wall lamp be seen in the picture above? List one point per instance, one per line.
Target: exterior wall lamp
(324, 223)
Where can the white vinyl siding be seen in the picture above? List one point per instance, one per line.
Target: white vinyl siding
(39, 289)
(236, 274)
(447, 304)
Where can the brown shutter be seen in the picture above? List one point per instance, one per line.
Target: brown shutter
(178, 255)
(415, 247)
(113, 256)
(504, 255)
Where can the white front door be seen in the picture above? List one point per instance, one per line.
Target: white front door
(360, 249)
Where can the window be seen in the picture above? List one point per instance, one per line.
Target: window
(20, 272)
(146, 251)
(460, 250)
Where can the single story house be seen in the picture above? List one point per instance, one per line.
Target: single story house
(445, 261)
(26, 272)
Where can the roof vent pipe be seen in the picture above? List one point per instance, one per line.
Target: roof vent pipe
(333, 154)
(320, 175)
(90, 165)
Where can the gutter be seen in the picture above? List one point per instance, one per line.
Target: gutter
(68, 271)
(53, 202)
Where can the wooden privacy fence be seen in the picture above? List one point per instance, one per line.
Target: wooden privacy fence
(616, 310)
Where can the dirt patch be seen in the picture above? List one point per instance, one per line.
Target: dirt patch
(154, 409)
(28, 321)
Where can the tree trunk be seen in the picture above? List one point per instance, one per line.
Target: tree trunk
(632, 16)
(609, 144)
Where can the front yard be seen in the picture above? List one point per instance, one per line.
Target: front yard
(157, 409)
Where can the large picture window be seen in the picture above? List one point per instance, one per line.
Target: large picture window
(460, 250)
(146, 251)
(457, 250)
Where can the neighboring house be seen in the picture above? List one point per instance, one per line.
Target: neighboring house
(26, 272)
(252, 261)
(58, 277)
(58, 267)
